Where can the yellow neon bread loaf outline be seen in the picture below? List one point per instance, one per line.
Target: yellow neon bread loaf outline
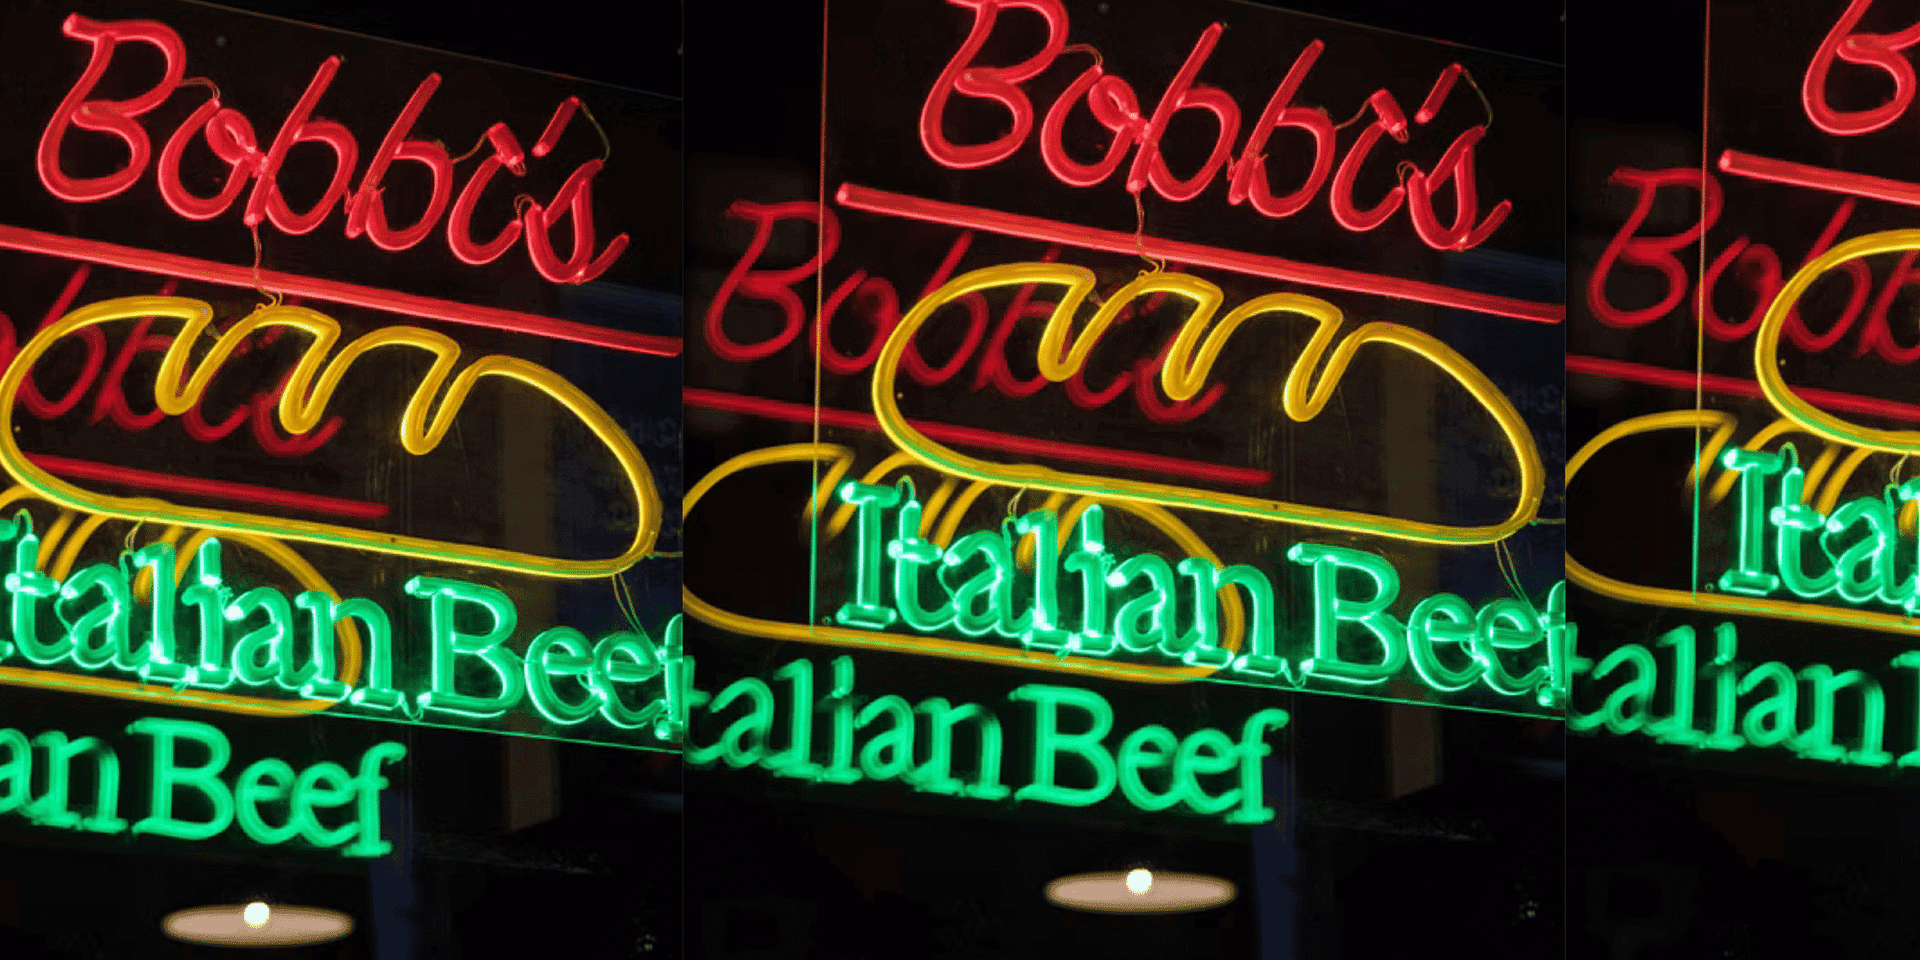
(1233, 616)
(1766, 349)
(1183, 374)
(302, 405)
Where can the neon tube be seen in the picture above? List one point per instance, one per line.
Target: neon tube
(1819, 178)
(1257, 265)
(335, 291)
(1733, 386)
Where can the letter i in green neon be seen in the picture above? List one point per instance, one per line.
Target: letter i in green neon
(1749, 575)
(840, 767)
(870, 504)
(1726, 645)
(1043, 631)
(797, 759)
(1092, 562)
(159, 560)
(910, 554)
(1910, 490)
(208, 591)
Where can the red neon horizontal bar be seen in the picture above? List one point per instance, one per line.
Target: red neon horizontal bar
(222, 489)
(168, 264)
(1819, 178)
(1113, 241)
(1736, 386)
(1008, 443)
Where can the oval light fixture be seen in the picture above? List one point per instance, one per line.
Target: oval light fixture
(1140, 891)
(257, 924)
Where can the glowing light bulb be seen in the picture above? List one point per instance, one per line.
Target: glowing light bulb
(256, 912)
(1139, 881)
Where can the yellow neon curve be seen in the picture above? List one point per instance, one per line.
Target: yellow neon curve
(302, 405)
(303, 573)
(1183, 374)
(1766, 348)
(1233, 619)
(1722, 424)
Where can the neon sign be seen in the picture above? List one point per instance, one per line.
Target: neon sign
(842, 737)
(303, 401)
(1114, 105)
(1084, 602)
(209, 635)
(189, 792)
(230, 136)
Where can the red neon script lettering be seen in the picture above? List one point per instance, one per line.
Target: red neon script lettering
(1879, 51)
(114, 117)
(999, 84)
(231, 138)
(1112, 103)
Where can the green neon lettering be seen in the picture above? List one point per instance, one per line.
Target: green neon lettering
(1748, 574)
(319, 679)
(994, 584)
(26, 586)
(1780, 707)
(449, 644)
(797, 760)
(322, 786)
(1148, 748)
(1049, 741)
(1725, 695)
(870, 505)
(1330, 610)
(888, 754)
(910, 556)
(936, 775)
(1625, 709)
(1870, 556)
(1259, 660)
(156, 660)
(1816, 742)
(1040, 629)
(265, 781)
(379, 693)
(1523, 630)
(256, 655)
(620, 658)
(1442, 618)
(168, 776)
(1199, 644)
(17, 772)
(1792, 521)
(745, 738)
(1909, 659)
(111, 617)
(1560, 636)
(1252, 749)
(1205, 752)
(1678, 728)
(560, 652)
(51, 809)
(367, 784)
(840, 768)
(1093, 563)
(1146, 621)
(677, 667)
(208, 591)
